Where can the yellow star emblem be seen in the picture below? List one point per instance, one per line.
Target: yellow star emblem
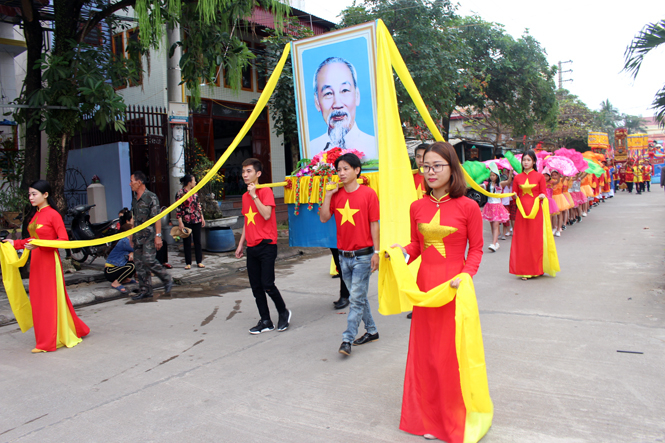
(250, 216)
(32, 229)
(347, 214)
(433, 233)
(527, 187)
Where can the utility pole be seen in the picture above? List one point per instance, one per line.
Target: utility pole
(561, 71)
(177, 130)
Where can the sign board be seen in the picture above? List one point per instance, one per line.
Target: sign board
(178, 113)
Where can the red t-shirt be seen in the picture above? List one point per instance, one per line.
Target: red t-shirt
(419, 181)
(256, 227)
(353, 213)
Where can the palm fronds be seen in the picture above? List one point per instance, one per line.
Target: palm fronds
(651, 36)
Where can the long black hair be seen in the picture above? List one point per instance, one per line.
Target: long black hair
(42, 186)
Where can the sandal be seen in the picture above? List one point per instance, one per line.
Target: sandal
(188, 267)
(201, 265)
(121, 289)
(167, 266)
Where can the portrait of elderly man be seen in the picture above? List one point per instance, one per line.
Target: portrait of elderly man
(336, 97)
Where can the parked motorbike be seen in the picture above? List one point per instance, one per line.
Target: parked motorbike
(82, 229)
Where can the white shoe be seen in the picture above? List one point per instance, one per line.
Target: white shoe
(503, 237)
(496, 247)
(557, 234)
(492, 247)
(583, 214)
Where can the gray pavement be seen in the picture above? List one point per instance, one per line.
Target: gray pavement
(184, 368)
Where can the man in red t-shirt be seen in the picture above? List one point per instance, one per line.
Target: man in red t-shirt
(356, 212)
(260, 231)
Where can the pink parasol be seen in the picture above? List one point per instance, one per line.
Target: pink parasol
(564, 165)
(574, 156)
(502, 163)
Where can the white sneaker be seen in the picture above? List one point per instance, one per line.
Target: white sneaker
(557, 234)
(492, 247)
(496, 247)
(583, 214)
(503, 237)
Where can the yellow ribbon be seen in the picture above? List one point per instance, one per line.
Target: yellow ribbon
(263, 100)
(11, 278)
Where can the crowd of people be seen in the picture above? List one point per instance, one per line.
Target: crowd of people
(446, 233)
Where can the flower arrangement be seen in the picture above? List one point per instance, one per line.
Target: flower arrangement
(322, 165)
(213, 189)
(95, 179)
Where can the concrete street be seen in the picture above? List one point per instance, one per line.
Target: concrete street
(185, 369)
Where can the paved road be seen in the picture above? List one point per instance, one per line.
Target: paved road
(184, 369)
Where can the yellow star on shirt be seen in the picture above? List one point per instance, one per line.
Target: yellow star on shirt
(433, 233)
(347, 214)
(527, 187)
(250, 216)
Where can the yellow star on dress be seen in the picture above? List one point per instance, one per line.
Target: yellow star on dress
(433, 233)
(250, 216)
(347, 214)
(32, 229)
(527, 187)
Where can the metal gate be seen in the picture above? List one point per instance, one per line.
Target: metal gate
(76, 190)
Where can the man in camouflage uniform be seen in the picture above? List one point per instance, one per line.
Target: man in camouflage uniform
(145, 205)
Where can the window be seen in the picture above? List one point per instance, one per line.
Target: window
(125, 46)
(247, 75)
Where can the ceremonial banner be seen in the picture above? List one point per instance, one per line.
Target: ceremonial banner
(598, 140)
(335, 88)
(620, 148)
(638, 141)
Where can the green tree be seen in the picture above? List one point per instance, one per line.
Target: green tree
(78, 79)
(574, 121)
(283, 102)
(648, 39)
(511, 85)
(425, 34)
(634, 124)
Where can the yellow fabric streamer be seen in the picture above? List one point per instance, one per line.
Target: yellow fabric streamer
(11, 278)
(550, 256)
(66, 330)
(468, 334)
(263, 100)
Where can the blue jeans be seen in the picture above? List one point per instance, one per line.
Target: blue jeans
(356, 272)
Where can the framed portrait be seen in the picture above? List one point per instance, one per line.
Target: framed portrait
(335, 87)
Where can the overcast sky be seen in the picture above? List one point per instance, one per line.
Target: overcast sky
(592, 34)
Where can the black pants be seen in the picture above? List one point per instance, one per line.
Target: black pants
(630, 186)
(196, 235)
(119, 273)
(648, 185)
(162, 255)
(343, 290)
(261, 271)
(638, 187)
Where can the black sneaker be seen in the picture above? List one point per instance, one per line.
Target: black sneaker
(284, 319)
(345, 348)
(262, 326)
(366, 338)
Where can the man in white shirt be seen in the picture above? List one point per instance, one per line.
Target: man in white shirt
(336, 96)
